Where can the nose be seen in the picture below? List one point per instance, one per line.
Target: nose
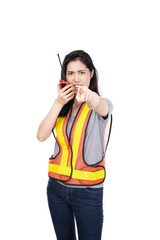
(77, 79)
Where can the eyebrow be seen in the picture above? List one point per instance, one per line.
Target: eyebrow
(77, 71)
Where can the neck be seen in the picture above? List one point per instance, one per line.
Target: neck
(75, 107)
(76, 103)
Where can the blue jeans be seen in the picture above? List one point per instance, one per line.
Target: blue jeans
(83, 205)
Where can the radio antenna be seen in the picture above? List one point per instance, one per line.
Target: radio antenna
(59, 59)
(63, 75)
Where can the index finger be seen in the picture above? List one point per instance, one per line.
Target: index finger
(66, 87)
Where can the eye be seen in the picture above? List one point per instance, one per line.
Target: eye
(82, 73)
(70, 73)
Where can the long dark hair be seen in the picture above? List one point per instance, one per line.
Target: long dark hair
(85, 59)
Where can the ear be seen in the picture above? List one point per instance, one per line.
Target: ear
(92, 73)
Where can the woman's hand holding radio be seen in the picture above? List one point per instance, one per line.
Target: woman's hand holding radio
(65, 94)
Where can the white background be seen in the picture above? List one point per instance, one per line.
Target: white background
(123, 39)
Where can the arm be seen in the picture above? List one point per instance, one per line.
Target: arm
(97, 104)
(64, 95)
(93, 101)
(47, 124)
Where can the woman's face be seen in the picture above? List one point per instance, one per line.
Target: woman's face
(78, 74)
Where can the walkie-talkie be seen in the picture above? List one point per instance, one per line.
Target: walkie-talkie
(63, 81)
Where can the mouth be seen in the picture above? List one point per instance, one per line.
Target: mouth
(77, 87)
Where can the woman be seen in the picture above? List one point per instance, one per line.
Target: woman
(82, 120)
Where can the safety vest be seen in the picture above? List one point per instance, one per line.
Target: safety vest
(69, 165)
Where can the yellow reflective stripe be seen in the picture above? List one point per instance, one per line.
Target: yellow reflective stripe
(59, 131)
(83, 175)
(77, 133)
(59, 169)
(77, 174)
